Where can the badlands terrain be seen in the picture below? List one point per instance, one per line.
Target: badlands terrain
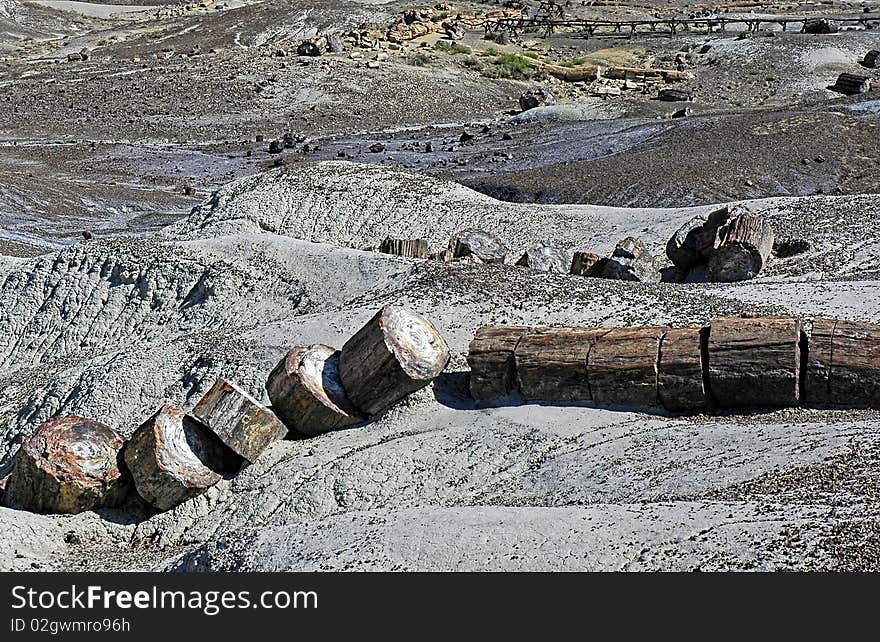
(205, 255)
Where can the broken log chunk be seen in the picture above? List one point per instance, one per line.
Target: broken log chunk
(843, 364)
(395, 354)
(631, 261)
(551, 364)
(240, 421)
(754, 362)
(485, 246)
(744, 245)
(622, 367)
(587, 264)
(671, 94)
(872, 59)
(173, 458)
(307, 393)
(492, 361)
(693, 243)
(820, 26)
(408, 248)
(851, 84)
(546, 258)
(680, 384)
(68, 465)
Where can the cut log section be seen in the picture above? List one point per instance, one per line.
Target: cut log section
(843, 366)
(622, 367)
(551, 364)
(851, 84)
(545, 258)
(68, 465)
(872, 59)
(307, 393)
(587, 264)
(631, 261)
(173, 458)
(693, 243)
(483, 245)
(408, 248)
(745, 243)
(754, 363)
(239, 420)
(492, 361)
(395, 354)
(680, 384)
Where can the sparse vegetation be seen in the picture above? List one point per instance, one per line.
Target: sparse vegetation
(418, 60)
(452, 47)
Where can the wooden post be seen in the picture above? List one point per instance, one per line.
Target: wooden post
(239, 420)
(551, 364)
(622, 367)
(395, 354)
(307, 393)
(754, 362)
(492, 362)
(408, 248)
(68, 465)
(680, 382)
(843, 364)
(744, 245)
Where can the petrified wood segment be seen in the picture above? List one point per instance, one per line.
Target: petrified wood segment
(409, 248)
(545, 258)
(551, 364)
(622, 367)
(241, 422)
(173, 458)
(744, 244)
(843, 367)
(680, 383)
(631, 261)
(485, 246)
(307, 393)
(492, 361)
(693, 243)
(587, 264)
(68, 465)
(395, 354)
(754, 363)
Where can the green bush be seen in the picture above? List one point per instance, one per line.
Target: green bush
(452, 47)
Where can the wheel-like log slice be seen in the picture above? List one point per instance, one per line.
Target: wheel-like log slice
(680, 382)
(68, 465)
(408, 248)
(395, 354)
(622, 367)
(492, 361)
(587, 264)
(307, 393)
(485, 246)
(551, 364)
(173, 458)
(631, 261)
(843, 366)
(754, 362)
(545, 258)
(239, 420)
(693, 243)
(745, 243)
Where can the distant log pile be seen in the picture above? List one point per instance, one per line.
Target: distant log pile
(736, 363)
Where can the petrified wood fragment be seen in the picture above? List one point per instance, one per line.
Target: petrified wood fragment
(492, 361)
(173, 458)
(622, 367)
(395, 354)
(485, 246)
(545, 258)
(631, 261)
(843, 366)
(551, 364)
(68, 465)
(680, 383)
(239, 420)
(408, 248)
(744, 244)
(307, 393)
(754, 362)
(587, 264)
(693, 243)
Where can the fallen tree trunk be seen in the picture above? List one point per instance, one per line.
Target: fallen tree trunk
(744, 245)
(551, 364)
(173, 458)
(754, 363)
(680, 384)
(622, 367)
(307, 393)
(492, 361)
(408, 248)
(843, 364)
(395, 354)
(239, 420)
(68, 465)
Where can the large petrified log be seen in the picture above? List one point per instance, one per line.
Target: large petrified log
(680, 383)
(587, 264)
(754, 362)
(408, 248)
(622, 367)
(693, 243)
(68, 465)
(843, 366)
(631, 261)
(872, 59)
(307, 393)
(851, 84)
(241, 422)
(395, 354)
(485, 246)
(492, 361)
(545, 258)
(744, 244)
(173, 458)
(551, 364)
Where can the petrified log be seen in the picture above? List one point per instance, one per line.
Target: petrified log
(622, 367)
(631, 261)
(843, 366)
(694, 242)
(492, 361)
(587, 264)
(545, 258)
(239, 420)
(744, 244)
(173, 458)
(551, 364)
(396, 353)
(820, 26)
(538, 97)
(680, 383)
(485, 246)
(754, 362)
(851, 84)
(670, 94)
(409, 248)
(307, 393)
(68, 465)
(872, 59)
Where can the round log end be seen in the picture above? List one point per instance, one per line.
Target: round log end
(417, 346)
